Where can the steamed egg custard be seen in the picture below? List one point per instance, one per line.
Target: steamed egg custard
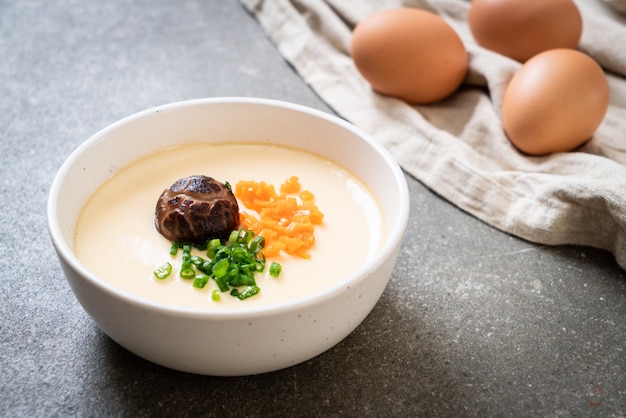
(117, 240)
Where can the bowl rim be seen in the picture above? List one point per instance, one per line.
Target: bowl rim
(392, 240)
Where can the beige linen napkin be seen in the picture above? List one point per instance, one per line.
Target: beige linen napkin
(457, 147)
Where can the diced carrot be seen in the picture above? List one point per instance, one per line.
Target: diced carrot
(307, 195)
(286, 220)
(291, 186)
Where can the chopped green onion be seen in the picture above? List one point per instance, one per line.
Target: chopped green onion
(234, 236)
(221, 268)
(212, 246)
(164, 271)
(186, 263)
(246, 293)
(247, 236)
(257, 244)
(200, 281)
(216, 295)
(197, 261)
(242, 280)
(231, 263)
(275, 269)
(188, 273)
(222, 283)
(174, 248)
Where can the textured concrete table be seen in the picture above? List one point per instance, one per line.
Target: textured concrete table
(473, 323)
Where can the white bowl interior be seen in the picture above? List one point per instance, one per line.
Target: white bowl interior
(219, 121)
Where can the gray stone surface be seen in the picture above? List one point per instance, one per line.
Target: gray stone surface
(473, 323)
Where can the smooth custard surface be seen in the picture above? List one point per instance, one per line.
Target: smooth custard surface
(116, 238)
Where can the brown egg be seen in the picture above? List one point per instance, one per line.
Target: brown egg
(555, 102)
(410, 54)
(521, 29)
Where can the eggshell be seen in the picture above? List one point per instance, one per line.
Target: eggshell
(555, 102)
(521, 29)
(410, 54)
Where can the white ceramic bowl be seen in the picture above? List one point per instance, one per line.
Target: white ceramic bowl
(249, 342)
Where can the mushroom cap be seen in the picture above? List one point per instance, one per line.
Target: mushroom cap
(195, 209)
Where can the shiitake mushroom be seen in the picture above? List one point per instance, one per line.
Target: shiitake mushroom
(195, 209)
